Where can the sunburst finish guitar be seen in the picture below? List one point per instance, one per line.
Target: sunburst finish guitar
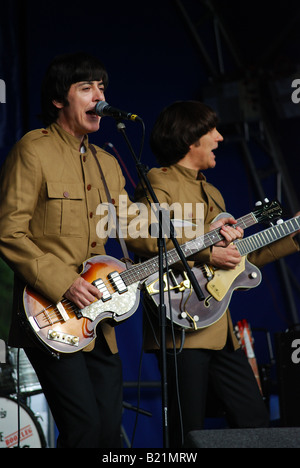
(64, 328)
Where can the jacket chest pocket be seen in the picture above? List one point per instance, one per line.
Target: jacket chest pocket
(65, 213)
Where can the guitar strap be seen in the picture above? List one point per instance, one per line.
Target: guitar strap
(120, 236)
(217, 204)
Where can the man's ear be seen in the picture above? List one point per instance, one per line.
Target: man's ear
(57, 104)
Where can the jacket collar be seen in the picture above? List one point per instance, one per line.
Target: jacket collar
(190, 173)
(72, 141)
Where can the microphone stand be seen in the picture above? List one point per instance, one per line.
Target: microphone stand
(142, 172)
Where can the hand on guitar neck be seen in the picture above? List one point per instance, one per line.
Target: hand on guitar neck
(229, 230)
(226, 258)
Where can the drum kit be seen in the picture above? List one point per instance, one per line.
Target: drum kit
(19, 425)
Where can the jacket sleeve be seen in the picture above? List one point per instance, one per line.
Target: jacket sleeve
(20, 186)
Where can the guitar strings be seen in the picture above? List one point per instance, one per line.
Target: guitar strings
(134, 272)
(130, 274)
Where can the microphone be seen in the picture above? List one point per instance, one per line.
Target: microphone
(103, 109)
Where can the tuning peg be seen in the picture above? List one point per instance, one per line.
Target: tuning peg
(259, 203)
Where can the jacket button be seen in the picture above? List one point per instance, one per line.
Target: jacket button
(89, 187)
(66, 194)
(93, 244)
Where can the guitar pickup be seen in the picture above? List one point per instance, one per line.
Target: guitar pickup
(99, 283)
(207, 271)
(117, 282)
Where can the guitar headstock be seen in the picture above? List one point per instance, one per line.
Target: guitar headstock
(267, 211)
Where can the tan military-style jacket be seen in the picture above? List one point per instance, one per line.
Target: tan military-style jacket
(49, 193)
(179, 184)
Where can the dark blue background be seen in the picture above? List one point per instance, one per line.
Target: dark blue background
(152, 61)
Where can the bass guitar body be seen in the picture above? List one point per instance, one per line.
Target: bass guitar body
(186, 310)
(63, 327)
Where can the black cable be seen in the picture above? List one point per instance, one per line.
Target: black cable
(18, 396)
(142, 140)
(138, 393)
(174, 346)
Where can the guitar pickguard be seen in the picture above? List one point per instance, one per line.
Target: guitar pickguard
(118, 306)
(222, 280)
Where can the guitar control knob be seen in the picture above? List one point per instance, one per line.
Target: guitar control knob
(196, 318)
(279, 221)
(253, 275)
(183, 315)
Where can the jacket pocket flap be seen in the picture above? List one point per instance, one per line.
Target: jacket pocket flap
(65, 190)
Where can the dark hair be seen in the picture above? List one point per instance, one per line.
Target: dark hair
(177, 127)
(62, 72)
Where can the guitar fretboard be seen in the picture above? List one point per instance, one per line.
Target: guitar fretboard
(263, 238)
(147, 268)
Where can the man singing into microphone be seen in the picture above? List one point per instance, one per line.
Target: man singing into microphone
(49, 193)
(50, 188)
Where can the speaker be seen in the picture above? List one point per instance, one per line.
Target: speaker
(287, 346)
(273, 437)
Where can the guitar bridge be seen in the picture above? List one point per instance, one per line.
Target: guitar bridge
(49, 316)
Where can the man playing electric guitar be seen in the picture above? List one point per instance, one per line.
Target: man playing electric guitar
(184, 139)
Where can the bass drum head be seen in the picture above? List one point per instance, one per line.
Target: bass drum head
(31, 434)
